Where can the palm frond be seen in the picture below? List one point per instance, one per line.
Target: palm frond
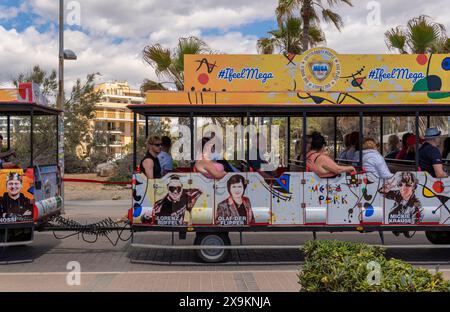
(423, 33)
(265, 45)
(395, 38)
(148, 85)
(332, 18)
(157, 57)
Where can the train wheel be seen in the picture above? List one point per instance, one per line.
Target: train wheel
(212, 239)
(438, 237)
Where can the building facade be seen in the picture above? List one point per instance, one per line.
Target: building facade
(113, 122)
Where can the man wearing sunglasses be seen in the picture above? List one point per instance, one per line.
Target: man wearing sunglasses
(150, 165)
(176, 206)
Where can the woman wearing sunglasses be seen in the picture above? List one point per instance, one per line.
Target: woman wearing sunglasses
(150, 165)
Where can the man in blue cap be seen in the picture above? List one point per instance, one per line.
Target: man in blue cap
(430, 158)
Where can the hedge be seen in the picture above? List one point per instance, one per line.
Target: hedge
(356, 267)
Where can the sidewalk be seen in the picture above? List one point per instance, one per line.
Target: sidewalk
(146, 281)
(203, 281)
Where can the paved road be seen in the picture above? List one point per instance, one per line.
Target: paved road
(104, 267)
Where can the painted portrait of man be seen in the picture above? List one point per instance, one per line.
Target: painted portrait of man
(13, 202)
(407, 209)
(173, 208)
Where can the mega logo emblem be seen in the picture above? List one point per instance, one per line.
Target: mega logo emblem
(321, 70)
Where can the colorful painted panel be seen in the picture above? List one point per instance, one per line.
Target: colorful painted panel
(287, 199)
(235, 205)
(174, 200)
(343, 197)
(318, 69)
(410, 199)
(372, 202)
(17, 195)
(46, 179)
(143, 199)
(259, 193)
(202, 212)
(315, 192)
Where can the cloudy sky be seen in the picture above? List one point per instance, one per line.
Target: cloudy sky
(109, 35)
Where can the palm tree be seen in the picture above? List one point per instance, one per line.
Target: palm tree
(421, 35)
(288, 37)
(309, 14)
(170, 65)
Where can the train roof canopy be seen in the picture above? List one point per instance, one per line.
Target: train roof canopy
(320, 81)
(24, 100)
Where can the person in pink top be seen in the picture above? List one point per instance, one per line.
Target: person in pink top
(206, 166)
(319, 162)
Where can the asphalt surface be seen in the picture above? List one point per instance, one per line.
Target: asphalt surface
(51, 256)
(49, 253)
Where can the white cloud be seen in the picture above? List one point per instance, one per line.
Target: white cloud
(143, 22)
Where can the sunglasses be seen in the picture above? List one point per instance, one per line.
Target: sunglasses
(172, 189)
(157, 145)
(405, 184)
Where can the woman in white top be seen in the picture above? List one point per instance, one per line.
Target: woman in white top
(373, 161)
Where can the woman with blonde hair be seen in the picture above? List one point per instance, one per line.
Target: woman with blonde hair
(373, 161)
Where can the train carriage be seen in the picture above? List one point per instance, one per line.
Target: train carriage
(30, 181)
(318, 83)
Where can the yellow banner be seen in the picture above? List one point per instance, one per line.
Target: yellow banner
(8, 95)
(318, 69)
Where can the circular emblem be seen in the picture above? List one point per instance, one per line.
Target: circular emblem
(320, 69)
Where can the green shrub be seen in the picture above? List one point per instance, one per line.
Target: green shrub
(343, 266)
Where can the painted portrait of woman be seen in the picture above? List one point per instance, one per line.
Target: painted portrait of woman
(236, 209)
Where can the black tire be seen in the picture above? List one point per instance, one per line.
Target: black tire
(438, 237)
(212, 255)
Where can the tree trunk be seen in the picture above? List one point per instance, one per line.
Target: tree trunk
(306, 17)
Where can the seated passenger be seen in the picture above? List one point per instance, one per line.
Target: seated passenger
(308, 147)
(4, 156)
(206, 166)
(446, 150)
(347, 147)
(150, 165)
(393, 142)
(373, 161)
(353, 152)
(411, 148)
(430, 158)
(319, 162)
(404, 149)
(165, 158)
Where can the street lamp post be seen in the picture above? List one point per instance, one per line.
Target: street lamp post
(63, 55)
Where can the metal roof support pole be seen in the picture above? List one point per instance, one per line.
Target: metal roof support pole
(304, 128)
(288, 140)
(57, 138)
(134, 141)
(417, 141)
(8, 131)
(191, 128)
(247, 136)
(31, 138)
(335, 137)
(361, 138)
(146, 126)
(381, 136)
